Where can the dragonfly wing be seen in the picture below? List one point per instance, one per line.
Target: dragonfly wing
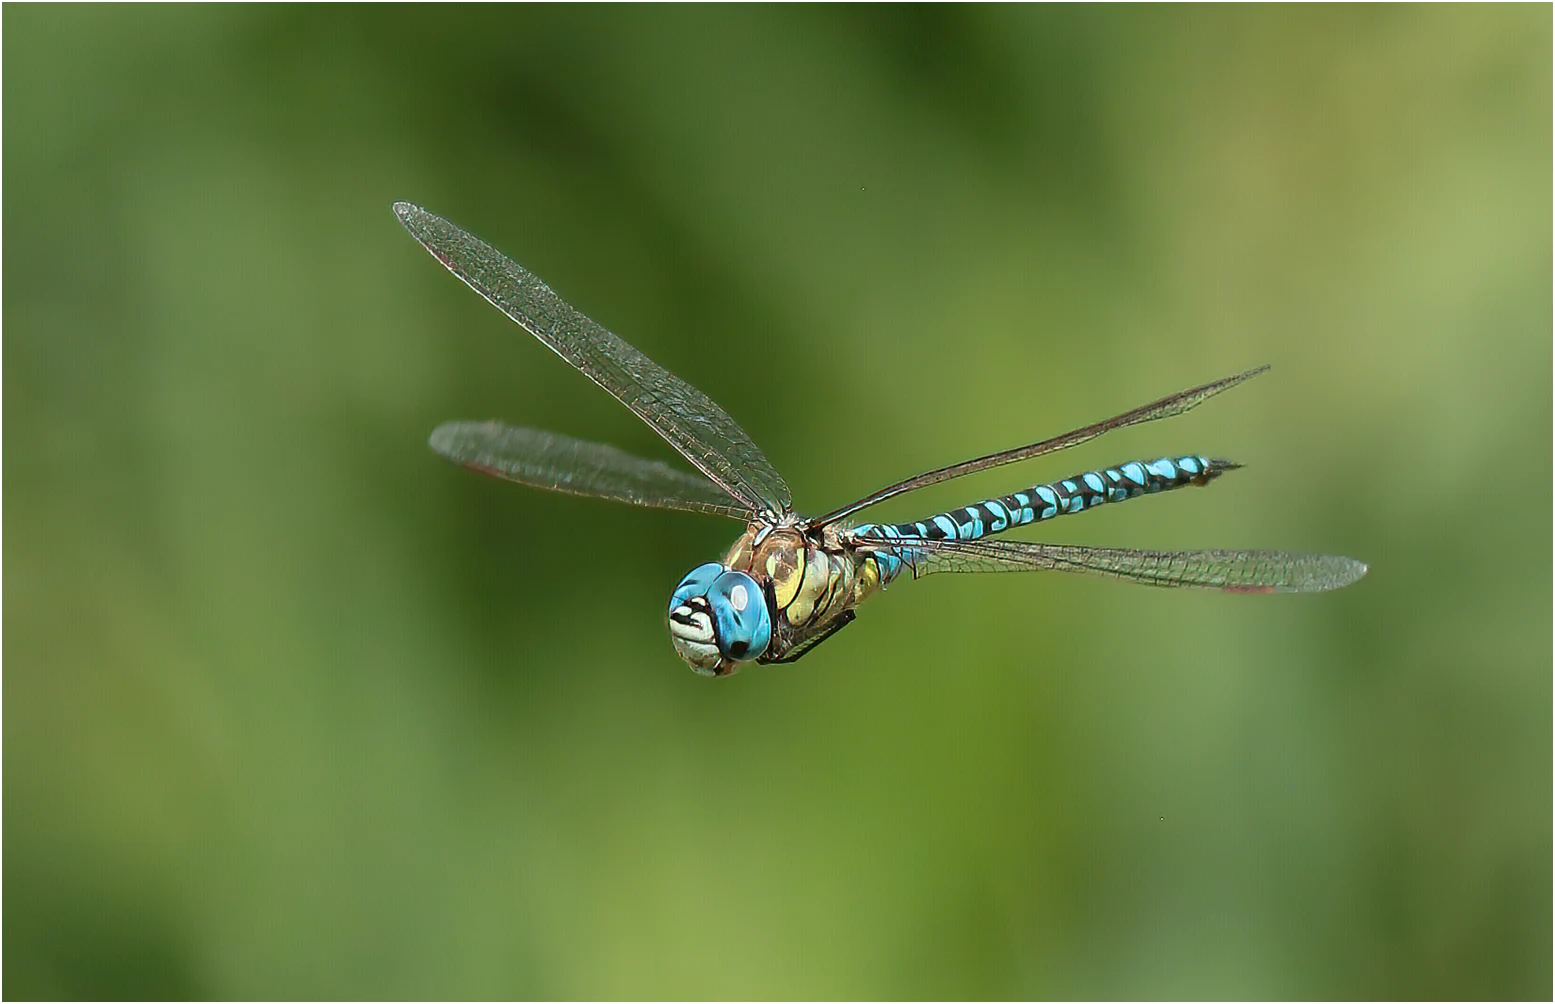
(563, 464)
(1166, 407)
(683, 415)
(1232, 571)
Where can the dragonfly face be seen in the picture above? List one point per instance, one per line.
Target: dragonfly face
(718, 619)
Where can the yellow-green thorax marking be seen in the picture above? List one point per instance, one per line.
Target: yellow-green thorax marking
(810, 578)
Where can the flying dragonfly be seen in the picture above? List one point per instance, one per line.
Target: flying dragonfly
(790, 582)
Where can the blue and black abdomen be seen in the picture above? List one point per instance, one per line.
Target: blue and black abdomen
(1040, 502)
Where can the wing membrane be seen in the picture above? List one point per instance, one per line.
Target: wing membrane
(1166, 407)
(1232, 571)
(703, 432)
(563, 464)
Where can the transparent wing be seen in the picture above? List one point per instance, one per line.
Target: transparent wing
(563, 464)
(683, 415)
(1173, 404)
(1233, 571)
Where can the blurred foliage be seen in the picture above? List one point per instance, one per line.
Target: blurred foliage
(293, 709)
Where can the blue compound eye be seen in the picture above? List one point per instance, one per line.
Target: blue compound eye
(740, 615)
(696, 583)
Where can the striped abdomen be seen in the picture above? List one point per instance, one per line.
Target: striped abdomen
(1040, 502)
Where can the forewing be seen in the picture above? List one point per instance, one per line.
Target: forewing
(683, 415)
(563, 464)
(1232, 571)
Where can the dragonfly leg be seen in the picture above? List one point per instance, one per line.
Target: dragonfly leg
(811, 644)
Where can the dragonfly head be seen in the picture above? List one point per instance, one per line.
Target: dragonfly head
(718, 619)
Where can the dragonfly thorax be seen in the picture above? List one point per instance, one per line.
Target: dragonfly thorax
(810, 578)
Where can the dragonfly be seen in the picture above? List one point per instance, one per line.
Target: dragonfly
(790, 582)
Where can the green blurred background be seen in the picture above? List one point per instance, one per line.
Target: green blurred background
(295, 709)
